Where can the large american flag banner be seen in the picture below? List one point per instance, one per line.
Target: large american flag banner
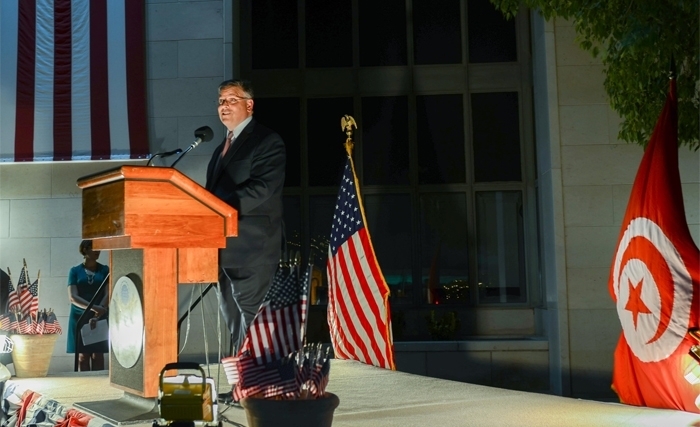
(72, 80)
(358, 296)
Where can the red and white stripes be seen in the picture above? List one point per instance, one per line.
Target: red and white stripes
(358, 295)
(357, 304)
(72, 80)
(275, 333)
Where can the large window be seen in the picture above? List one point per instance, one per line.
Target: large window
(442, 96)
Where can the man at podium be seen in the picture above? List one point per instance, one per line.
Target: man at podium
(247, 171)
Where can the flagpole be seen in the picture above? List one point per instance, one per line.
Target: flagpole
(372, 346)
(347, 123)
(38, 286)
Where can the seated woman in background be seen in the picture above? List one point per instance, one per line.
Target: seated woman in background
(83, 282)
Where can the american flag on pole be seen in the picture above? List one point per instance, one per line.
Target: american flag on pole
(72, 80)
(358, 296)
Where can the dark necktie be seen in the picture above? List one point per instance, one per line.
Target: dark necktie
(227, 145)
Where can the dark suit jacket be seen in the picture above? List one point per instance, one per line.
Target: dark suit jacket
(251, 179)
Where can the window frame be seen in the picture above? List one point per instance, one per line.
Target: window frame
(411, 81)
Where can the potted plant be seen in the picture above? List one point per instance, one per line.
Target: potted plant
(33, 332)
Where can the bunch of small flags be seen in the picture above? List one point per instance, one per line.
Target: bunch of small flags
(23, 315)
(315, 365)
(301, 375)
(45, 322)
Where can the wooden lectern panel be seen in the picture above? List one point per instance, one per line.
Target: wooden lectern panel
(179, 226)
(160, 314)
(153, 207)
(197, 265)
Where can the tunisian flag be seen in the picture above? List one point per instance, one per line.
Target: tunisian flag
(654, 281)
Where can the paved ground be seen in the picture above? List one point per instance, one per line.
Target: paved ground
(374, 397)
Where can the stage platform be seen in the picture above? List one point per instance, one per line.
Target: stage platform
(375, 397)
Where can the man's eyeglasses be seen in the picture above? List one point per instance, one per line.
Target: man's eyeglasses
(229, 101)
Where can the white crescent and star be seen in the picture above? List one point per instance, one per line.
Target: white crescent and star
(652, 326)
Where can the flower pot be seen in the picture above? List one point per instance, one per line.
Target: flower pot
(31, 354)
(290, 413)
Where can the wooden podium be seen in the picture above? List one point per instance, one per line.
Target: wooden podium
(161, 229)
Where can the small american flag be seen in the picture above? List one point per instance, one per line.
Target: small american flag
(314, 369)
(319, 377)
(12, 297)
(278, 327)
(52, 326)
(14, 322)
(29, 299)
(230, 365)
(8, 322)
(358, 295)
(22, 281)
(5, 322)
(278, 378)
(40, 322)
(25, 326)
(22, 284)
(34, 289)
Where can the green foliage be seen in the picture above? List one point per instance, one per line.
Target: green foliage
(445, 328)
(635, 41)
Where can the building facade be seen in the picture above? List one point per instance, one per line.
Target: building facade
(493, 180)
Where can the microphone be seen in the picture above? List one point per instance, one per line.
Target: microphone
(165, 154)
(202, 134)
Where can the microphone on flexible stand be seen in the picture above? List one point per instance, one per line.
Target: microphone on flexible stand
(202, 134)
(165, 154)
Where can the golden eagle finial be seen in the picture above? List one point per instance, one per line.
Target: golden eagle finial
(346, 124)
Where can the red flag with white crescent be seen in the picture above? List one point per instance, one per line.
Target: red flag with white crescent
(654, 281)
